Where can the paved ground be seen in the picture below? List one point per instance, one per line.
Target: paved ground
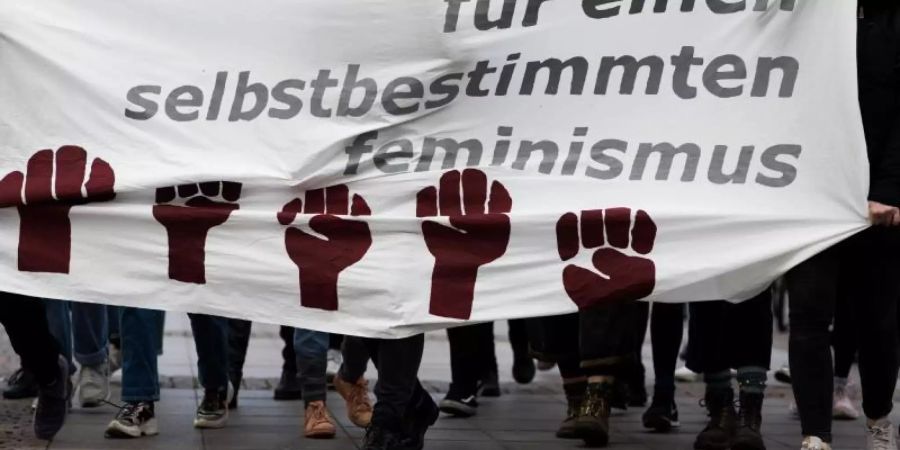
(524, 418)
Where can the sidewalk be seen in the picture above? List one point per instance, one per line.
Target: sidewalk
(524, 418)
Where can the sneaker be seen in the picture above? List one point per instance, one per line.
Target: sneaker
(133, 421)
(747, 436)
(567, 429)
(661, 416)
(592, 424)
(523, 370)
(93, 385)
(783, 374)
(21, 384)
(356, 395)
(458, 405)
(685, 375)
(722, 421)
(317, 422)
(53, 403)
(880, 435)
(814, 443)
(844, 409)
(289, 387)
(213, 410)
(490, 385)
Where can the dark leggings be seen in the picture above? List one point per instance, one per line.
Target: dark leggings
(26, 324)
(843, 337)
(666, 333)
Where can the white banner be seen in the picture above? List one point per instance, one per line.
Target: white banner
(383, 167)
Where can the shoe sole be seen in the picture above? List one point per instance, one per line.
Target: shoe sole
(661, 424)
(116, 431)
(457, 409)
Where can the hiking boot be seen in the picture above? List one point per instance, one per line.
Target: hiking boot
(133, 421)
(592, 423)
(93, 385)
(662, 415)
(747, 436)
(53, 403)
(490, 385)
(814, 443)
(567, 429)
(289, 387)
(359, 407)
(22, 384)
(317, 422)
(722, 421)
(458, 404)
(880, 435)
(213, 410)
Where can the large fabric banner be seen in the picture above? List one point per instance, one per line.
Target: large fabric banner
(383, 167)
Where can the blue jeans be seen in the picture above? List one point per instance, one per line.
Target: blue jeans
(82, 326)
(311, 348)
(141, 334)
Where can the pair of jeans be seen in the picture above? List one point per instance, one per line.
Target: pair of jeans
(141, 334)
(471, 356)
(311, 348)
(401, 398)
(864, 267)
(239, 339)
(727, 335)
(82, 330)
(25, 321)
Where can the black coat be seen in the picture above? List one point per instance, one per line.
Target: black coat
(879, 95)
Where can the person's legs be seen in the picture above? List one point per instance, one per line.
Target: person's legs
(211, 342)
(486, 355)
(238, 341)
(90, 332)
(751, 337)
(311, 348)
(59, 319)
(289, 386)
(523, 369)
(844, 343)
(25, 321)
(554, 339)
(666, 333)
(356, 358)
(140, 334)
(812, 290)
(466, 368)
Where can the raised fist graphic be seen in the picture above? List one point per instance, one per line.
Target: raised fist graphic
(322, 260)
(612, 232)
(202, 207)
(478, 235)
(54, 182)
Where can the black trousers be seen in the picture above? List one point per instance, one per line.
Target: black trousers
(726, 335)
(472, 355)
(666, 322)
(25, 322)
(239, 339)
(400, 395)
(866, 265)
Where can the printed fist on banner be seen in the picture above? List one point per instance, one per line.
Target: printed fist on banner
(205, 206)
(622, 277)
(54, 182)
(321, 261)
(478, 235)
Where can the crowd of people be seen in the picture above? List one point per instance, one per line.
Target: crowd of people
(845, 297)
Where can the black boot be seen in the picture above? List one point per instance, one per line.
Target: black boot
(747, 436)
(22, 384)
(592, 424)
(722, 421)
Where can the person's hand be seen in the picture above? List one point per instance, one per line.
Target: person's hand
(881, 214)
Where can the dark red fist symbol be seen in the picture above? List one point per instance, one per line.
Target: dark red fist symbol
(622, 277)
(188, 224)
(478, 235)
(321, 260)
(53, 184)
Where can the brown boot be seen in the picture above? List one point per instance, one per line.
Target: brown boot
(317, 423)
(359, 407)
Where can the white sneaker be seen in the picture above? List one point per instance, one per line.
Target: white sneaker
(814, 443)
(685, 375)
(880, 435)
(93, 385)
(844, 409)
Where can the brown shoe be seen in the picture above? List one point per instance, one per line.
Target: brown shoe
(318, 423)
(359, 408)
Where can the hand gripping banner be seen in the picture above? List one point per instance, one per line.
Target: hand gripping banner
(384, 167)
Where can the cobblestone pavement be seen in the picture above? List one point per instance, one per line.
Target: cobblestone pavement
(524, 418)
